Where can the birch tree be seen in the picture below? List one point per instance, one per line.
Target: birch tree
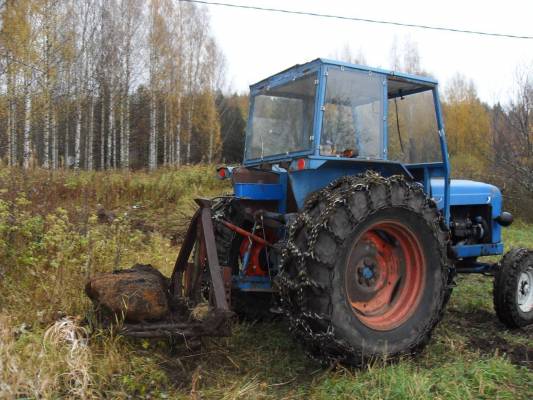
(130, 10)
(69, 72)
(13, 33)
(155, 43)
(26, 154)
(85, 34)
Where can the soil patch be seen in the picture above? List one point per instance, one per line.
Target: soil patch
(482, 329)
(517, 353)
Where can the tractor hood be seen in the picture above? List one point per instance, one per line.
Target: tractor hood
(465, 192)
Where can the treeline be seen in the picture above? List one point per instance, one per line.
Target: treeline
(493, 143)
(101, 84)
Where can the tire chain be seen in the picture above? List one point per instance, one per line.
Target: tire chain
(323, 345)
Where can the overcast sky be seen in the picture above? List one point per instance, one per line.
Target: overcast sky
(258, 44)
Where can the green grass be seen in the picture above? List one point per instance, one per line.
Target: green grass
(51, 240)
(518, 235)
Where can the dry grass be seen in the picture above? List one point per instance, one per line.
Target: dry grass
(68, 335)
(58, 363)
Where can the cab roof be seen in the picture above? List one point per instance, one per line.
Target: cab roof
(422, 82)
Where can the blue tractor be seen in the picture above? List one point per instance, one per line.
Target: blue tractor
(344, 218)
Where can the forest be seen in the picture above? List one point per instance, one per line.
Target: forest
(99, 85)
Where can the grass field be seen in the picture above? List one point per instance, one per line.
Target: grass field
(52, 238)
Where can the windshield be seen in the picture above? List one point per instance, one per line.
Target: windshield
(282, 119)
(413, 129)
(353, 122)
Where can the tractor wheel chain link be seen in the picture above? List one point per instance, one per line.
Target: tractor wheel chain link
(296, 286)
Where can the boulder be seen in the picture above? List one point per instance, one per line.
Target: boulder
(139, 293)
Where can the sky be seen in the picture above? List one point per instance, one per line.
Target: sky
(258, 44)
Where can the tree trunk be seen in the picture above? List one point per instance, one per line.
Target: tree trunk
(47, 101)
(189, 131)
(114, 141)
(85, 146)
(14, 134)
(46, 133)
(77, 137)
(178, 134)
(102, 131)
(27, 128)
(67, 123)
(211, 140)
(122, 133)
(110, 133)
(127, 131)
(165, 135)
(171, 141)
(90, 136)
(152, 164)
(9, 137)
(67, 137)
(211, 150)
(11, 120)
(55, 152)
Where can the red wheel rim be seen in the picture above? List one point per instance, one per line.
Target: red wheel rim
(385, 275)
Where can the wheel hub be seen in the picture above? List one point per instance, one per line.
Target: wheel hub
(384, 275)
(525, 291)
(367, 271)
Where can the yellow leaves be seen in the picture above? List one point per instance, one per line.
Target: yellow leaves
(467, 127)
(467, 124)
(206, 126)
(16, 29)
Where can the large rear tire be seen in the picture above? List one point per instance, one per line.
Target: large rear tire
(513, 289)
(365, 273)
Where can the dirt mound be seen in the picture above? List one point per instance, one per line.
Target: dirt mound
(139, 293)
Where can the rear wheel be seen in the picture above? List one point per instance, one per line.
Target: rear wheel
(365, 273)
(513, 289)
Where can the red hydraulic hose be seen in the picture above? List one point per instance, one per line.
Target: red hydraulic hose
(244, 232)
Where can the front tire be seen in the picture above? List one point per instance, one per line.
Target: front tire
(365, 273)
(513, 289)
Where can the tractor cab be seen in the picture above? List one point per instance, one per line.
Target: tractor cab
(333, 110)
(324, 114)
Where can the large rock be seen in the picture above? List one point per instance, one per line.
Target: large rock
(139, 293)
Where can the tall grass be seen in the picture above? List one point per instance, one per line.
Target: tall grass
(48, 190)
(51, 241)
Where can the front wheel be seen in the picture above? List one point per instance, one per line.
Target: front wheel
(513, 289)
(365, 274)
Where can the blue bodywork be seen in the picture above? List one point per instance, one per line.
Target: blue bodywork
(316, 170)
(467, 193)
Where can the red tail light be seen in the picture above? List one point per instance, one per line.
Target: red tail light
(222, 173)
